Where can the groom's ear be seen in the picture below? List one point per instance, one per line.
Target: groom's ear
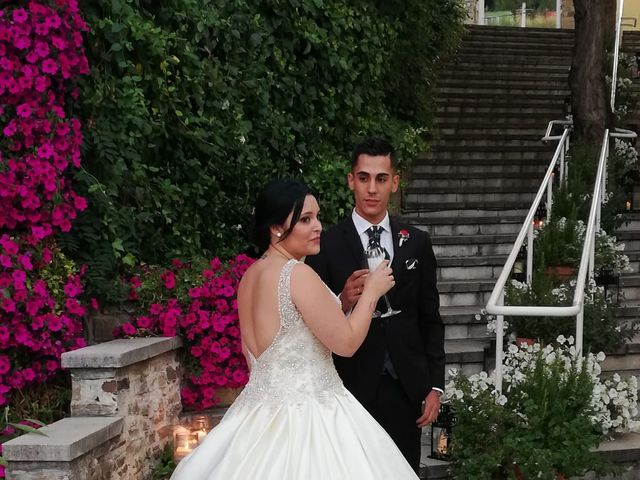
(350, 181)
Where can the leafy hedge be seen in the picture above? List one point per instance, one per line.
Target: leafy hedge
(191, 105)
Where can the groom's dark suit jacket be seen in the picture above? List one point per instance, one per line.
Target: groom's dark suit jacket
(414, 337)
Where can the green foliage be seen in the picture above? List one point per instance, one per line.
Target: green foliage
(33, 407)
(166, 465)
(192, 105)
(541, 427)
(48, 402)
(602, 332)
(560, 242)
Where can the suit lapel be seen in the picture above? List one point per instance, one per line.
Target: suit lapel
(400, 253)
(353, 242)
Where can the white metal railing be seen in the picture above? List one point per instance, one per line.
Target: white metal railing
(495, 305)
(616, 54)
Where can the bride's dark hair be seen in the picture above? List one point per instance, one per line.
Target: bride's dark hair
(274, 204)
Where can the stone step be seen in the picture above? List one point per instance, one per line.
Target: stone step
(472, 189)
(490, 143)
(413, 197)
(538, 153)
(471, 65)
(559, 46)
(470, 166)
(459, 110)
(630, 286)
(497, 97)
(632, 222)
(465, 355)
(480, 101)
(508, 131)
(503, 75)
(496, 57)
(461, 225)
(450, 208)
(469, 272)
(464, 216)
(461, 324)
(623, 450)
(631, 240)
(487, 31)
(502, 90)
(478, 119)
(519, 181)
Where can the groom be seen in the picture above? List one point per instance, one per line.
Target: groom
(398, 372)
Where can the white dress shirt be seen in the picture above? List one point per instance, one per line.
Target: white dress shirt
(386, 238)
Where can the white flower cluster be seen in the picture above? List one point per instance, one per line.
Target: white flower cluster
(627, 153)
(492, 323)
(615, 400)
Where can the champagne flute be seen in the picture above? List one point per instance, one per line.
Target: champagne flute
(375, 256)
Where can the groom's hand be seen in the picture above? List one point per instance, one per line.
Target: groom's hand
(430, 409)
(353, 289)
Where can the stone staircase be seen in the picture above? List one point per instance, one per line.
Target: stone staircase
(472, 189)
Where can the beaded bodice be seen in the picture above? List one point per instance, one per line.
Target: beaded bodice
(296, 366)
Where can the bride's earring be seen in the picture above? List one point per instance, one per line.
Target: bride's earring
(278, 234)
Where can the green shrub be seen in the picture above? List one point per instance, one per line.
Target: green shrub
(192, 105)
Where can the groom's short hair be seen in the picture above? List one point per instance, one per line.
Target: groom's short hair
(374, 146)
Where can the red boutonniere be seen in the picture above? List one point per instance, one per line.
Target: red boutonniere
(404, 236)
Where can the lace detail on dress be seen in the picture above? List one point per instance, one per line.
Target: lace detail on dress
(296, 366)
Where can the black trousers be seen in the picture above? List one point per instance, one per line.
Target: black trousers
(397, 414)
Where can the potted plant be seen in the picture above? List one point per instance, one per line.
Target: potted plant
(547, 421)
(558, 246)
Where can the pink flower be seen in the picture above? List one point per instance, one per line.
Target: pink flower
(20, 15)
(5, 364)
(24, 110)
(128, 329)
(49, 66)
(169, 279)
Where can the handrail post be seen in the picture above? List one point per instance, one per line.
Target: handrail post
(499, 344)
(523, 15)
(558, 13)
(530, 254)
(614, 75)
(549, 198)
(579, 329)
(480, 12)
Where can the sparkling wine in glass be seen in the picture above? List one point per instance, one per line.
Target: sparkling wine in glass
(375, 256)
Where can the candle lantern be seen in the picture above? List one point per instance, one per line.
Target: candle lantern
(184, 441)
(632, 180)
(441, 432)
(200, 427)
(540, 216)
(520, 265)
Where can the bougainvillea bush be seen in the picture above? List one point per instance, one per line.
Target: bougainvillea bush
(40, 315)
(198, 302)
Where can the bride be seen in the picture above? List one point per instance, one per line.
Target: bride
(295, 420)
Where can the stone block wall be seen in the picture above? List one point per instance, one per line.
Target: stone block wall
(567, 14)
(125, 402)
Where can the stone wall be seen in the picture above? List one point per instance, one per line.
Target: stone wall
(567, 14)
(125, 402)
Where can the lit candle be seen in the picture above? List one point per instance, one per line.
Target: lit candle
(185, 441)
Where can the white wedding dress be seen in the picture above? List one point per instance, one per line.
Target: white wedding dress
(295, 420)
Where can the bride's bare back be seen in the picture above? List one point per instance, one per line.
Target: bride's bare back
(258, 304)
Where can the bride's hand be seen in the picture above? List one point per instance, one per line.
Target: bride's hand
(380, 280)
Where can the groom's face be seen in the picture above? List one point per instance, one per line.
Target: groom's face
(372, 181)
